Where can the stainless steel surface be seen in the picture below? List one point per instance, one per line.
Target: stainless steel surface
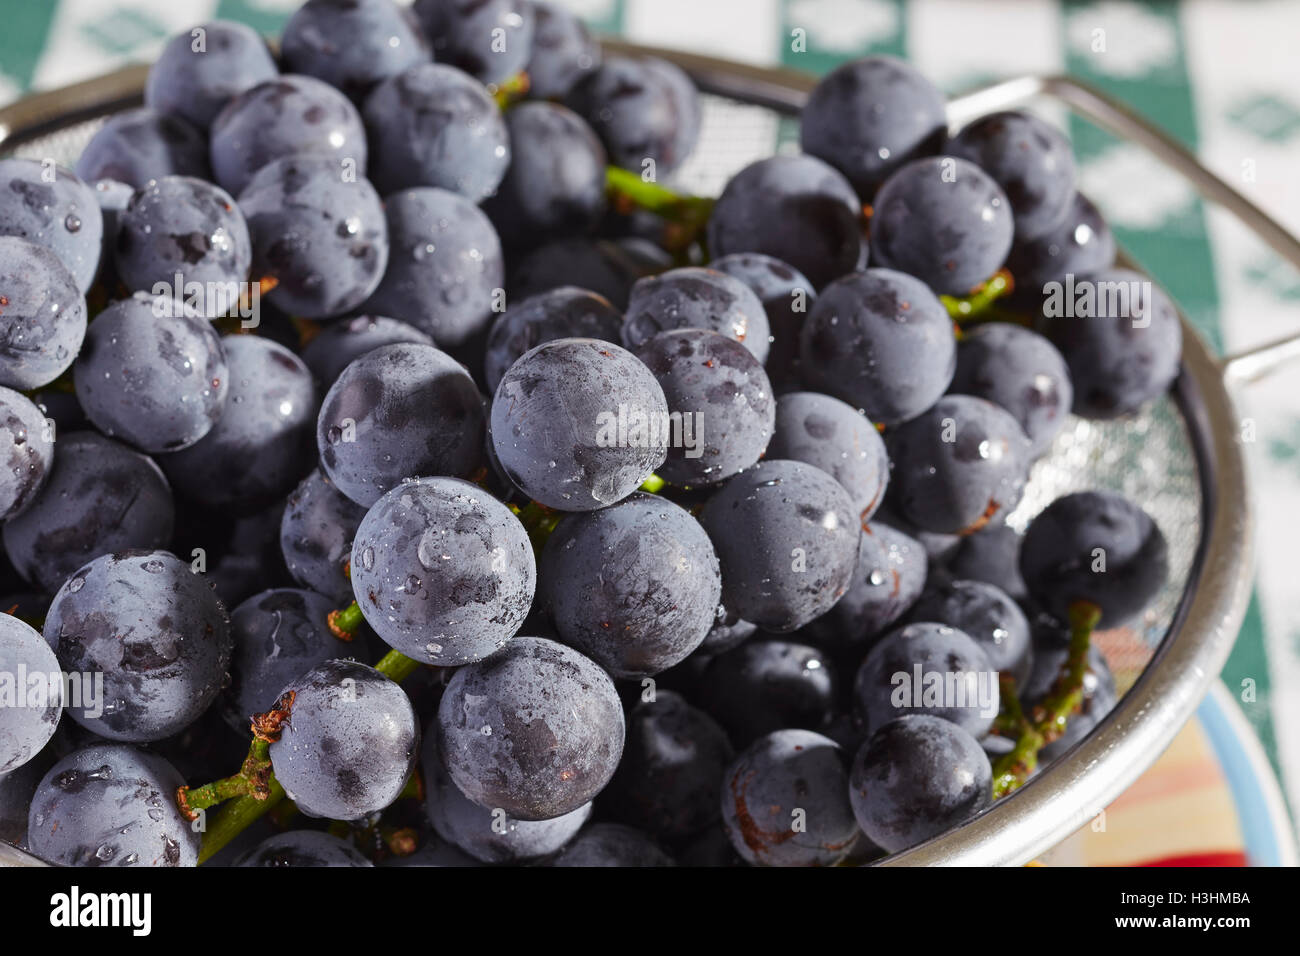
(1181, 460)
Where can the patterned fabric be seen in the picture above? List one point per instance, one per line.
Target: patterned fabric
(1220, 75)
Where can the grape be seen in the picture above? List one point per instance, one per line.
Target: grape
(728, 632)
(796, 209)
(1080, 243)
(33, 702)
(113, 198)
(785, 802)
(880, 341)
(481, 831)
(960, 466)
(1020, 370)
(563, 52)
(536, 729)
(338, 344)
(1124, 350)
(100, 496)
(350, 743)
(279, 635)
(696, 298)
(612, 844)
(136, 146)
(765, 685)
(669, 782)
(939, 546)
(830, 435)
(869, 117)
(111, 805)
(316, 535)
(986, 615)
(443, 571)
(917, 777)
(918, 651)
(557, 424)
(43, 319)
(247, 550)
(1051, 647)
(786, 295)
(199, 72)
(27, 447)
(1030, 159)
(889, 576)
(352, 44)
(322, 238)
(555, 185)
(1095, 547)
(179, 226)
(51, 207)
(605, 267)
(154, 629)
(17, 787)
(993, 556)
(261, 446)
(490, 39)
(432, 125)
(565, 312)
(943, 220)
(153, 373)
(786, 536)
(634, 586)
(445, 269)
(303, 848)
(282, 118)
(723, 397)
(432, 853)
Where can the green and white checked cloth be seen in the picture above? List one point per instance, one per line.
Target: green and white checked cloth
(1220, 75)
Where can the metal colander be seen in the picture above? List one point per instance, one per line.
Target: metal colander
(1180, 459)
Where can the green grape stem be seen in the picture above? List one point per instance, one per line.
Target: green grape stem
(979, 303)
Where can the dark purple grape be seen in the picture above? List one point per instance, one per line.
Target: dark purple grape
(434, 852)
(566, 312)
(1121, 339)
(785, 802)
(111, 805)
(262, 444)
(49, 206)
(643, 109)
(34, 694)
(400, 411)
(536, 729)
(766, 685)
(786, 534)
(960, 466)
(927, 668)
(156, 632)
(303, 848)
(1020, 370)
(993, 556)
(605, 267)
(723, 398)
(352, 44)
(986, 615)
(728, 632)
(26, 447)
(316, 535)
(796, 209)
(42, 315)
(612, 844)
(1030, 159)
(563, 52)
(152, 373)
(1080, 243)
(869, 117)
(695, 298)
(828, 434)
(786, 296)
(340, 343)
(113, 198)
(350, 742)
(1095, 547)
(917, 777)
(321, 237)
(579, 424)
(445, 270)
(943, 220)
(100, 497)
(939, 547)
(634, 586)
(17, 788)
(880, 341)
(200, 71)
(287, 117)
(555, 184)
(432, 125)
(443, 571)
(138, 145)
(490, 39)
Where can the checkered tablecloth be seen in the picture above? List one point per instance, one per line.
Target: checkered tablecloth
(1222, 76)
